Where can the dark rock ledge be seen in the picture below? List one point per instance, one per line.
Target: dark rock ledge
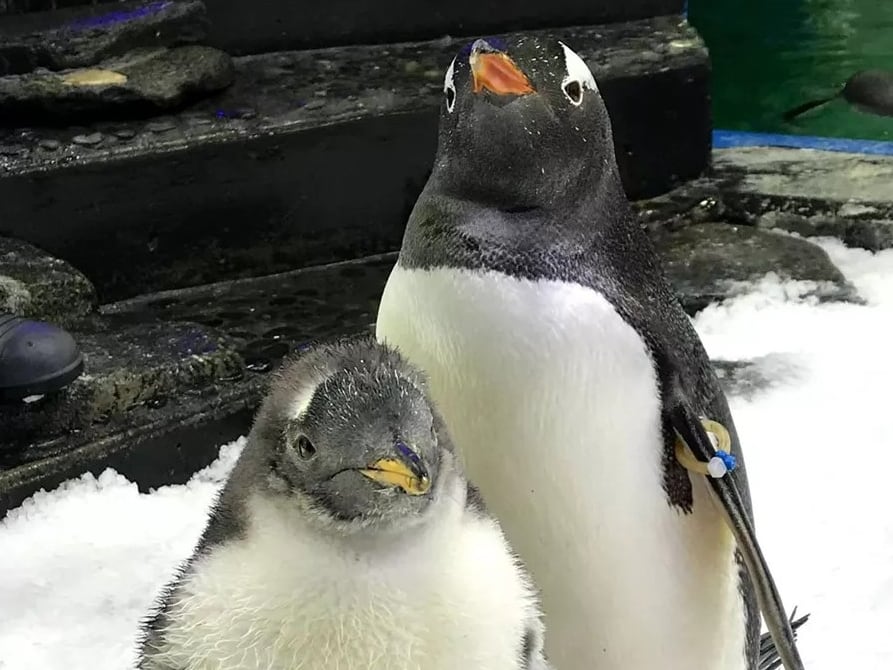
(80, 37)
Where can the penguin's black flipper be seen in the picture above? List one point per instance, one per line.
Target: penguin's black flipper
(792, 114)
(769, 658)
(689, 427)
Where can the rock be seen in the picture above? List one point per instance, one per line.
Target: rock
(83, 36)
(861, 227)
(748, 378)
(127, 367)
(39, 286)
(778, 173)
(144, 81)
(710, 262)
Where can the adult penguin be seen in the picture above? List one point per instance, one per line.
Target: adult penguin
(571, 379)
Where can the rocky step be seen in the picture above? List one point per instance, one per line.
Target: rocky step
(139, 84)
(153, 377)
(81, 36)
(276, 25)
(712, 262)
(38, 286)
(805, 191)
(144, 364)
(312, 157)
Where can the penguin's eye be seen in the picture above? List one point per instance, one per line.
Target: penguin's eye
(306, 450)
(450, 94)
(574, 91)
(449, 87)
(579, 76)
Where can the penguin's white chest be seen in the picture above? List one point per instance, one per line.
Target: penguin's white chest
(553, 401)
(451, 598)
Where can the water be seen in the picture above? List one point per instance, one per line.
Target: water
(771, 55)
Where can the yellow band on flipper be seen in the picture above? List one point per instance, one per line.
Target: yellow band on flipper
(689, 462)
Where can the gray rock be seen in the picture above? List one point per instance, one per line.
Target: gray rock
(83, 36)
(856, 227)
(39, 286)
(796, 174)
(143, 81)
(710, 262)
(805, 191)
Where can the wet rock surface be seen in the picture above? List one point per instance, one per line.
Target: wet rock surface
(267, 318)
(782, 174)
(145, 365)
(808, 192)
(324, 152)
(711, 262)
(83, 36)
(141, 82)
(857, 226)
(152, 446)
(38, 286)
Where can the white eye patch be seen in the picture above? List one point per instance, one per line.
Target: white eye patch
(449, 87)
(578, 78)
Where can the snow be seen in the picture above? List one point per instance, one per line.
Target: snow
(79, 566)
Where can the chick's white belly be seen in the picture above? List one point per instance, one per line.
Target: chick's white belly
(552, 399)
(279, 600)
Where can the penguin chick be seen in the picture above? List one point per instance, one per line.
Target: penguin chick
(348, 537)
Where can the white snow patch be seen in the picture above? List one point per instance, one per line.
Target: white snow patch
(816, 450)
(79, 566)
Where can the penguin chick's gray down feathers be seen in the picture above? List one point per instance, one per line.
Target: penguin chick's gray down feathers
(348, 537)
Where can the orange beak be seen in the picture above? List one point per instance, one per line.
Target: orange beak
(498, 73)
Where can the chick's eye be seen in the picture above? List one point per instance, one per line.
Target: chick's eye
(306, 450)
(574, 91)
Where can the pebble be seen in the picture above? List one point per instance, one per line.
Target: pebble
(160, 126)
(12, 150)
(87, 140)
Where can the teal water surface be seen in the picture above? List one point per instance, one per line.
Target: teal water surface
(771, 55)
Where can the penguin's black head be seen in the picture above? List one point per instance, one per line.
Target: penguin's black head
(522, 124)
(357, 442)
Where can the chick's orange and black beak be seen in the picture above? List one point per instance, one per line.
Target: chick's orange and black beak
(405, 470)
(494, 71)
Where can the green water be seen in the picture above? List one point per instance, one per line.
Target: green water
(771, 55)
